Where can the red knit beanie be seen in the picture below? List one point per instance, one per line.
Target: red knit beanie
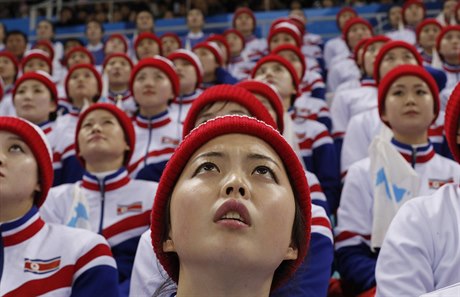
(443, 32)
(117, 36)
(287, 28)
(40, 76)
(213, 48)
(226, 93)
(37, 54)
(354, 21)
(86, 66)
(409, 3)
(118, 55)
(79, 49)
(282, 61)
(372, 40)
(237, 33)
(192, 59)
(424, 23)
(162, 64)
(123, 120)
(294, 20)
(359, 46)
(196, 139)
(221, 39)
(242, 10)
(35, 138)
(407, 70)
(388, 47)
(1, 88)
(295, 50)
(342, 11)
(48, 45)
(172, 35)
(451, 121)
(148, 35)
(13, 59)
(269, 92)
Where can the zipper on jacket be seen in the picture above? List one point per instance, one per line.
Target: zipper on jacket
(102, 190)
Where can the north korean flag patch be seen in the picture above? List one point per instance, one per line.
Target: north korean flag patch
(38, 266)
(133, 207)
(437, 183)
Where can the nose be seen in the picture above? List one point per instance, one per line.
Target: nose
(235, 187)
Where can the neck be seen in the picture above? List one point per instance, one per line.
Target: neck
(149, 112)
(428, 50)
(246, 33)
(8, 81)
(195, 30)
(286, 103)
(94, 42)
(187, 90)
(118, 88)
(454, 60)
(411, 138)
(209, 77)
(104, 163)
(79, 102)
(217, 282)
(15, 208)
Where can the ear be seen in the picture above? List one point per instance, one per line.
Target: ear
(292, 253)
(53, 106)
(38, 187)
(384, 116)
(168, 246)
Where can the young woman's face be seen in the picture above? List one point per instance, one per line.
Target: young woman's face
(44, 48)
(16, 158)
(7, 69)
(33, 101)
(114, 45)
(344, 17)
(395, 57)
(207, 60)
(37, 64)
(450, 44)
(276, 74)
(413, 14)
(394, 16)
(369, 57)
(409, 106)
(268, 106)
(220, 108)
(244, 23)
(147, 48)
(152, 87)
(82, 85)
(78, 58)
(428, 36)
(187, 75)
(144, 21)
(169, 44)
(294, 59)
(195, 19)
(44, 31)
(226, 206)
(101, 134)
(94, 32)
(118, 70)
(235, 43)
(223, 50)
(356, 33)
(281, 39)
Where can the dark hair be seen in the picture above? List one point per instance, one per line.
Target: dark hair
(101, 26)
(74, 39)
(16, 32)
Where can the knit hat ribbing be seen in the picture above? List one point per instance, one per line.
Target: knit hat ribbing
(287, 28)
(192, 59)
(451, 121)
(36, 54)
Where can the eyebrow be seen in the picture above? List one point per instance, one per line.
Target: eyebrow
(17, 138)
(255, 156)
(210, 154)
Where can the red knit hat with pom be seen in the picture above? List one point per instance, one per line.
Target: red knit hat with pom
(119, 37)
(40, 76)
(117, 55)
(84, 66)
(451, 121)
(192, 59)
(37, 54)
(48, 45)
(287, 28)
(408, 3)
(342, 11)
(443, 32)
(213, 48)
(354, 21)
(407, 70)
(172, 35)
(162, 64)
(237, 33)
(242, 10)
(35, 138)
(269, 92)
(226, 93)
(372, 40)
(296, 51)
(424, 23)
(196, 139)
(359, 46)
(148, 35)
(79, 49)
(282, 61)
(294, 20)
(388, 47)
(124, 121)
(222, 40)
